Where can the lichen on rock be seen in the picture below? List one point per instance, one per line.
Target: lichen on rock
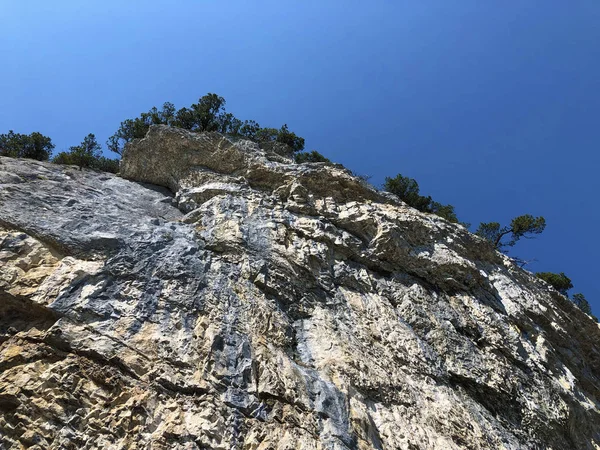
(261, 304)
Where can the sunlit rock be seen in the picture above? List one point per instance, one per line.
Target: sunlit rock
(261, 304)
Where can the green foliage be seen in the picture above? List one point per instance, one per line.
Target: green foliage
(105, 164)
(521, 226)
(282, 135)
(562, 284)
(445, 211)
(205, 116)
(308, 157)
(264, 135)
(34, 145)
(137, 128)
(285, 136)
(249, 129)
(84, 154)
(408, 191)
(526, 225)
(63, 158)
(87, 154)
(558, 281)
(582, 304)
(490, 231)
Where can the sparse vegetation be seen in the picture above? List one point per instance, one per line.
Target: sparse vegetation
(207, 115)
(501, 238)
(105, 164)
(407, 189)
(34, 145)
(558, 281)
(563, 284)
(87, 154)
(524, 226)
(308, 157)
(582, 303)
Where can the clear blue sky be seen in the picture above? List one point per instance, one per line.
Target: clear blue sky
(492, 106)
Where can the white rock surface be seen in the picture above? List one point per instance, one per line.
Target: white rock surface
(270, 305)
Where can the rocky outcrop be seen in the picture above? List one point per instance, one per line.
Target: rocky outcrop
(261, 304)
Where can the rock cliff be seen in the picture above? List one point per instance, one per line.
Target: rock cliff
(218, 296)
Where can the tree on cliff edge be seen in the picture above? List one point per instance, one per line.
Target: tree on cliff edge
(407, 189)
(558, 281)
(34, 145)
(137, 128)
(208, 115)
(524, 226)
(583, 304)
(86, 154)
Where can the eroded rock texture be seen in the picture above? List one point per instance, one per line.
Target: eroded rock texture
(270, 305)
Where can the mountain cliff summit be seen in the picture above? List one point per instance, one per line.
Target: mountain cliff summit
(217, 295)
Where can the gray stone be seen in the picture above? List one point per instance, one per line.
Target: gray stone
(261, 304)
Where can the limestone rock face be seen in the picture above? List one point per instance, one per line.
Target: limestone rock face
(261, 304)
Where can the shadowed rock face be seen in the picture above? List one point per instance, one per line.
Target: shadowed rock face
(263, 304)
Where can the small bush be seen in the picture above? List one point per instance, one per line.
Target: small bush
(583, 304)
(105, 164)
(408, 191)
(558, 281)
(63, 158)
(308, 157)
